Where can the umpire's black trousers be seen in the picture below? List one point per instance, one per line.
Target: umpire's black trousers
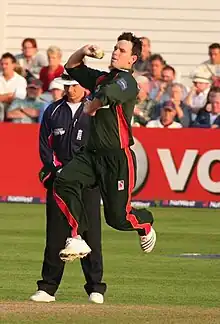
(57, 231)
(115, 173)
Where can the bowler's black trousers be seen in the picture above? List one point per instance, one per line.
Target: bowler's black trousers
(57, 231)
(114, 171)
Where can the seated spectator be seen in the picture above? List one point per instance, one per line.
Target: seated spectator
(157, 64)
(26, 111)
(30, 60)
(12, 85)
(168, 113)
(177, 95)
(54, 69)
(143, 109)
(198, 93)
(57, 91)
(208, 107)
(142, 66)
(168, 76)
(213, 90)
(210, 118)
(211, 66)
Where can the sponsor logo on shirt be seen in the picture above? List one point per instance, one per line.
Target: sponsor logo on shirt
(122, 84)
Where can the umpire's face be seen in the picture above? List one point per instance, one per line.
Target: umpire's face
(122, 57)
(75, 93)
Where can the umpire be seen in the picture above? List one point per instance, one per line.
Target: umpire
(64, 131)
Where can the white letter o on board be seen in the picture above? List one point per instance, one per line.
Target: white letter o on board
(203, 171)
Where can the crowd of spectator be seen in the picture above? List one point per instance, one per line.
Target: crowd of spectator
(164, 102)
(27, 83)
(27, 87)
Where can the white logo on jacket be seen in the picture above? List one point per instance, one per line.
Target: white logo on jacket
(79, 135)
(59, 131)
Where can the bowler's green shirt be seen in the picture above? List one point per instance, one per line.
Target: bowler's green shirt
(117, 90)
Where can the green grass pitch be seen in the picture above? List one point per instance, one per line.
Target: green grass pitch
(156, 288)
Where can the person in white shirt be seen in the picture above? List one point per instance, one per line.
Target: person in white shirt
(197, 96)
(167, 116)
(211, 66)
(12, 85)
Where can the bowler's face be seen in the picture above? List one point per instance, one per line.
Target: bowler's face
(122, 57)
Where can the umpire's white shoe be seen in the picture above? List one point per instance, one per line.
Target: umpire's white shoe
(148, 241)
(75, 248)
(96, 298)
(42, 296)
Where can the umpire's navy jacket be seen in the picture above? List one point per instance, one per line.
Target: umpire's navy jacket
(61, 134)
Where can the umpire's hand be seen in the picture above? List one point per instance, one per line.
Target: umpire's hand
(47, 176)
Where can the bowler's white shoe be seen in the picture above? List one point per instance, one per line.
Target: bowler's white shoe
(96, 298)
(75, 248)
(42, 296)
(148, 241)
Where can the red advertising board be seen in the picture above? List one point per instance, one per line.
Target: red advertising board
(20, 161)
(181, 164)
(178, 164)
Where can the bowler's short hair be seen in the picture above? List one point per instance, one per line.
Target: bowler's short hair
(137, 45)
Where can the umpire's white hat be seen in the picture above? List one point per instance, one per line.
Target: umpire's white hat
(66, 79)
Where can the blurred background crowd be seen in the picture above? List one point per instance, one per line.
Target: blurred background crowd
(27, 87)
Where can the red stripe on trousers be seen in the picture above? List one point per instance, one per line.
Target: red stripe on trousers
(131, 217)
(124, 140)
(63, 207)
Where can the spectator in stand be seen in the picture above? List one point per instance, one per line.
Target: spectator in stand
(212, 66)
(162, 93)
(26, 111)
(212, 92)
(208, 107)
(144, 107)
(197, 96)
(30, 59)
(183, 113)
(57, 92)
(167, 117)
(142, 66)
(157, 64)
(210, 119)
(12, 85)
(54, 68)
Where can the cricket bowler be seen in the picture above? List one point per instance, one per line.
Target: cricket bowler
(107, 159)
